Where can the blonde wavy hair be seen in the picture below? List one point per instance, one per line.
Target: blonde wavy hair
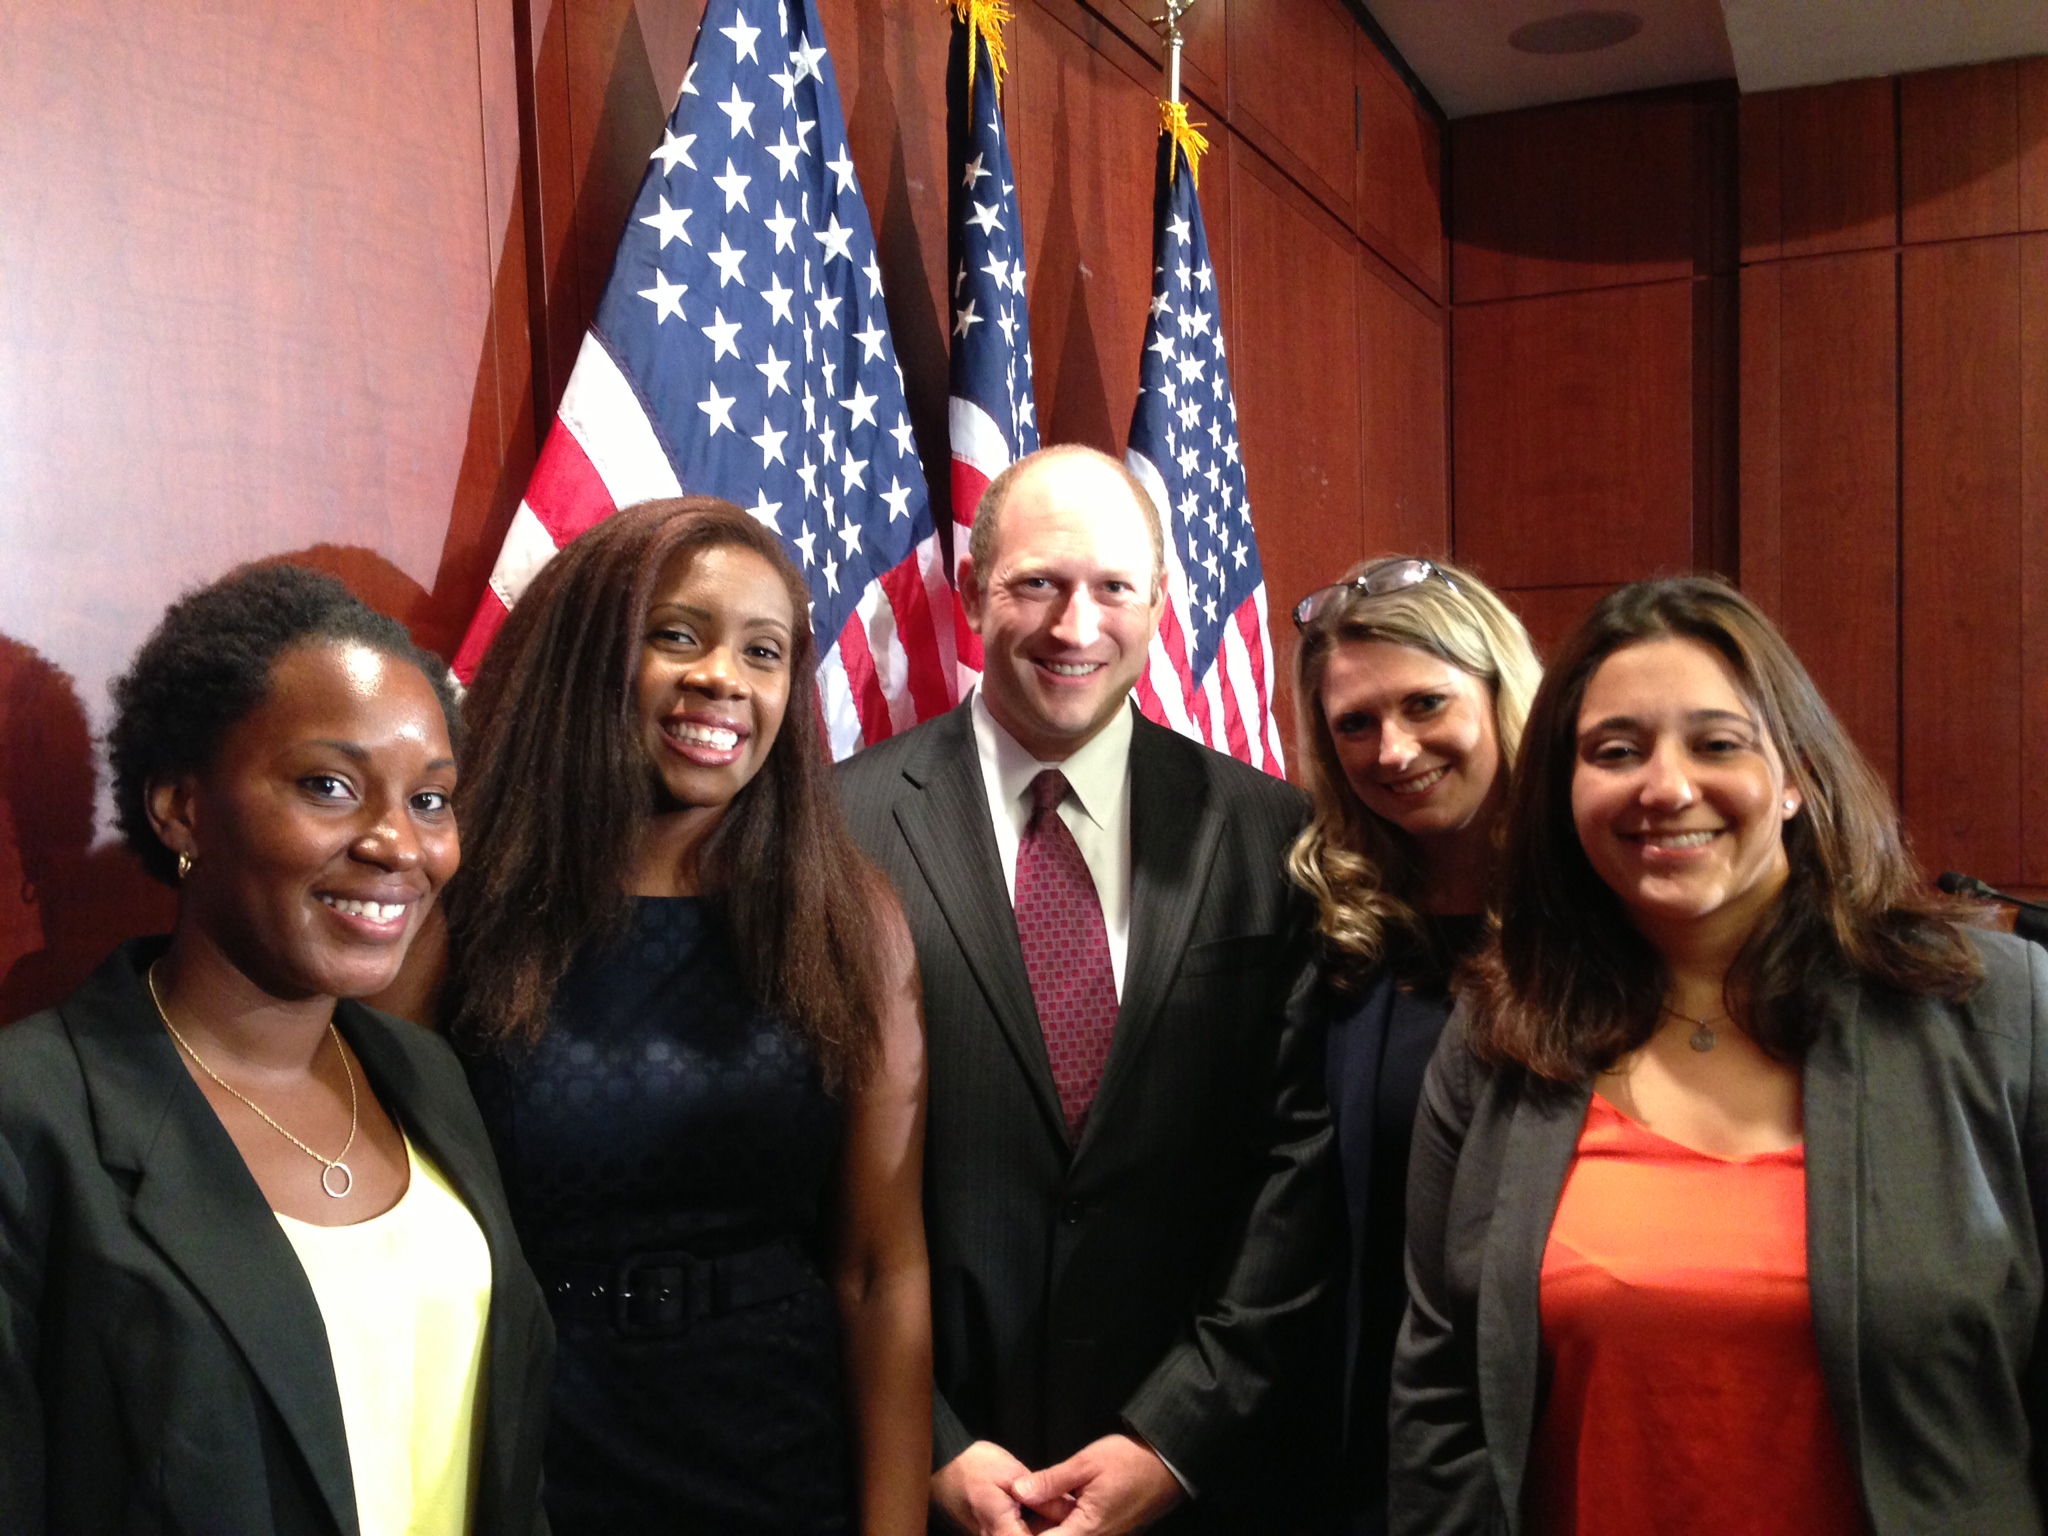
(1365, 875)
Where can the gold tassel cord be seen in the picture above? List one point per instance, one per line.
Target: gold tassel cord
(985, 21)
(1187, 137)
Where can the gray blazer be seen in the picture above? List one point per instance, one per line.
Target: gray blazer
(1926, 1177)
(163, 1364)
(1167, 1273)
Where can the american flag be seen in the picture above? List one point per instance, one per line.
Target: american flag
(990, 415)
(741, 350)
(1210, 675)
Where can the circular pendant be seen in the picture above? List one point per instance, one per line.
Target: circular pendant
(1702, 1038)
(348, 1180)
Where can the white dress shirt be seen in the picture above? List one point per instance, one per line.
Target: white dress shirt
(1097, 810)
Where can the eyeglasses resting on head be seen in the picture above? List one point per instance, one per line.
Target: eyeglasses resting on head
(1374, 581)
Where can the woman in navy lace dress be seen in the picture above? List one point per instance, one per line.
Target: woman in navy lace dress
(693, 1015)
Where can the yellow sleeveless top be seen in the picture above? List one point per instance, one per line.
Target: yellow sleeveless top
(406, 1296)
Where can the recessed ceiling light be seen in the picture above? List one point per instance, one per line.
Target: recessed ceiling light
(1576, 32)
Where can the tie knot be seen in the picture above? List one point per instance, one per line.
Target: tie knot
(1047, 791)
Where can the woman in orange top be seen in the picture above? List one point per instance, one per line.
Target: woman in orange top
(1725, 1198)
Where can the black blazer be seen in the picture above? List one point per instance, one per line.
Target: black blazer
(1164, 1275)
(163, 1364)
(1926, 1176)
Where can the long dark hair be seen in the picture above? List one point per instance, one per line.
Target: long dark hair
(1570, 986)
(556, 792)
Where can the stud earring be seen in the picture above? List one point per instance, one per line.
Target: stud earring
(184, 865)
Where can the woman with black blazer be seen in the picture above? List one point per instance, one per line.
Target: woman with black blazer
(1725, 1201)
(256, 1270)
(1420, 680)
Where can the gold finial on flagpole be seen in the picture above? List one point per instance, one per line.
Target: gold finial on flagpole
(1173, 112)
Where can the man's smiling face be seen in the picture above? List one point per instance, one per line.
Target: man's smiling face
(1068, 605)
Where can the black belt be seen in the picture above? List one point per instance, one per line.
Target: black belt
(654, 1294)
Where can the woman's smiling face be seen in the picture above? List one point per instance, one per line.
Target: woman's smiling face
(1679, 795)
(1415, 735)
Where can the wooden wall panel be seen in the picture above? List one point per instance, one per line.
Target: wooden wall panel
(1400, 173)
(1298, 421)
(2033, 142)
(1820, 526)
(1958, 152)
(1583, 196)
(1819, 170)
(2033, 258)
(1962, 547)
(1292, 92)
(1572, 426)
(1550, 614)
(1402, 347)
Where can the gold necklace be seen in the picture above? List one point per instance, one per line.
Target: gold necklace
(328, 1165)
(1702, 1037)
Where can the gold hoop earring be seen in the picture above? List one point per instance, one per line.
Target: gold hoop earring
(184, 865)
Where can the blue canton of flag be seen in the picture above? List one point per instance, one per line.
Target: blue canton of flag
(1210, 674)
(991, 418)
(741, 349)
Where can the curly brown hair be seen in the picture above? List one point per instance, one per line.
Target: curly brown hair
(1569, 986)
(555, 794)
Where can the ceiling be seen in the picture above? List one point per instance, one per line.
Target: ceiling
(1492, 55)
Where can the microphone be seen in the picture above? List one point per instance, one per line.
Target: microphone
(2029, 919)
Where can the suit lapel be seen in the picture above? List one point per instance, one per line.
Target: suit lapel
(197, 1202)
(1542, 1140)
(1175, 827)
(947, 828)
(1834, 1153)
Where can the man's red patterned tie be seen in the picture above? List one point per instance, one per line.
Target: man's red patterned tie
(1066, 950)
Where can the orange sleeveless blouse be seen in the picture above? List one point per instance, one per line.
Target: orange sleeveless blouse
(1682, 1384)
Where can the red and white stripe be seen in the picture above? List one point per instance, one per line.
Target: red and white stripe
(980, 453)
(1230, 706)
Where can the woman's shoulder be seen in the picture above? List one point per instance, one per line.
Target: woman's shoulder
(38, 1070)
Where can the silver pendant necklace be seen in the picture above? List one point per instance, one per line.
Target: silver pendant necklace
(335, 1179)
(1702, 1038)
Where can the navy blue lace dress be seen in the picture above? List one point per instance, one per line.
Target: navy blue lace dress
(671, 1156)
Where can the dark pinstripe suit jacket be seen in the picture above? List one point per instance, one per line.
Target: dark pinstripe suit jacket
(1926, 1191)
(1167, 1273)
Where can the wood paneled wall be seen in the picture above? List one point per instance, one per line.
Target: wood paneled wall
(1593, 365)
(1894, 434)
(1802, 340)
(314, 285)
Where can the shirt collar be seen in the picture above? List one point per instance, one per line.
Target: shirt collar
(1096, 771)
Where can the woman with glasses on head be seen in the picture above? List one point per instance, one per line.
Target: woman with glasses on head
(1728, 1181)
(1412, 681)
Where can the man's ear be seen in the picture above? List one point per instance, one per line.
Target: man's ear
(168, 804)
(970, 593)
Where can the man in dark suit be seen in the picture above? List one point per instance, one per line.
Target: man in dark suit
(1128, 1188)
